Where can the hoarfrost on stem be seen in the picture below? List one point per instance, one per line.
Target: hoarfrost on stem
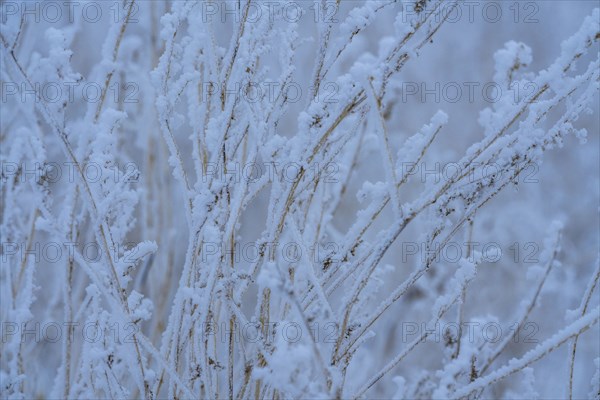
(251, 205)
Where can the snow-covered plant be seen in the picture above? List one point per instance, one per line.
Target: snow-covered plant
(206, 199)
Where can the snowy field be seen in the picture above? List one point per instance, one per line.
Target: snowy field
(300, 199)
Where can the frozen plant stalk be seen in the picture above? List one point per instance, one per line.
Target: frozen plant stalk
(192, 171)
